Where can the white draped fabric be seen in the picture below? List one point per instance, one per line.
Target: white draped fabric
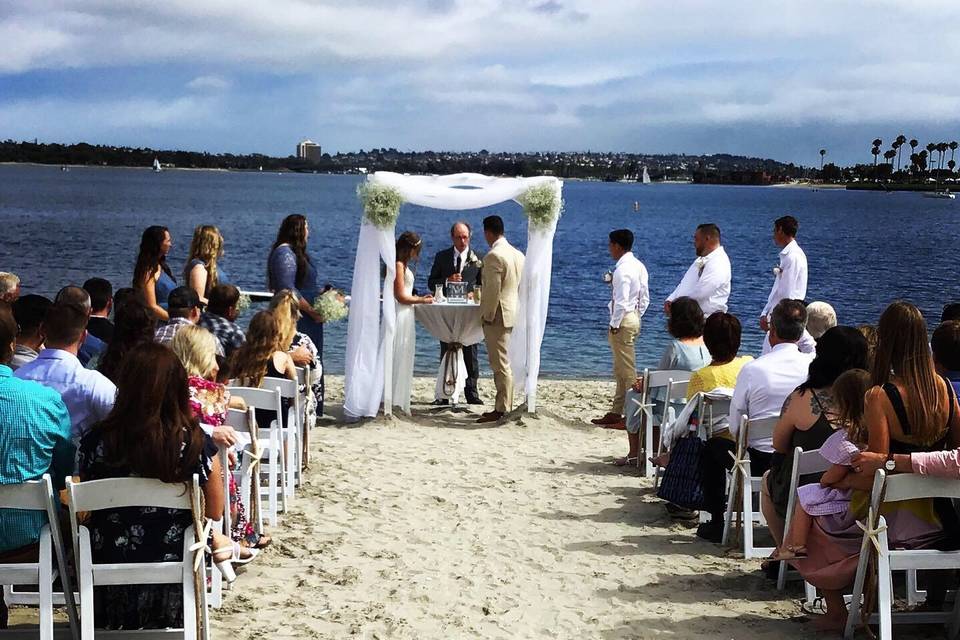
(368, 363)
(453, 324)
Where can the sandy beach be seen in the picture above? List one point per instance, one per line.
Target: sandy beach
(434, 527)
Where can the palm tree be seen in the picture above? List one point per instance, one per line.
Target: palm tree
(889, 155)
(930, 149)
(898, 145)
(922, 160)
(953, 148)
(823, 152)
(877, 142)
(876, 152)
(950, 165)
(942, 148)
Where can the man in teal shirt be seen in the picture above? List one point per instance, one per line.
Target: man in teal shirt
(34, 440)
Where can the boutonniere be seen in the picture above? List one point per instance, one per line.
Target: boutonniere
(472, 258)
(777, 270)
(701, 262)
(608, 277)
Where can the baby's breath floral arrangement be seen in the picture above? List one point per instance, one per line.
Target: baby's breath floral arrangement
(243, 303)
(381, 204)
(331, 305)
(542, 205)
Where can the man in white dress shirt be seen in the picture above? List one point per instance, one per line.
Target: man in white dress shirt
(790, 277)
(708, 279)
(762, 387)
(630, 297)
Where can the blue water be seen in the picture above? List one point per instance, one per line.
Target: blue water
(865, 249)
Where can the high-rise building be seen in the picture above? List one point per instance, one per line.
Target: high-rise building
(309, 150)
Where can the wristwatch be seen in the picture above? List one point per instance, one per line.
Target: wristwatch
(890, 465)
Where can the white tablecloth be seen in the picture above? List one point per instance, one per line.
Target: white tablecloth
(456, 324)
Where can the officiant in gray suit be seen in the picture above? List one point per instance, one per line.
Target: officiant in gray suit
(459, 264)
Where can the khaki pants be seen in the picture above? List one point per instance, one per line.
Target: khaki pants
(497, 338)
(622, 344)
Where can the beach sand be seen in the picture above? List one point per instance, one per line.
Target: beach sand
(435, 527)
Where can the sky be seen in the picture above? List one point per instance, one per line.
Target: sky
(779, 79)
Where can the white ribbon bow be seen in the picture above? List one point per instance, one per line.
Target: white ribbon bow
(200, 547)
(873, 534)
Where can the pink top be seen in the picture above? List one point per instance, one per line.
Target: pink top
(945, 464)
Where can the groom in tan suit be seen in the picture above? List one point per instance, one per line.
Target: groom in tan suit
(502, 267)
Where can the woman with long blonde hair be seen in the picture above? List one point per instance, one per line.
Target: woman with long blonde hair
(286, 305)
(261, 355)
(201, 271)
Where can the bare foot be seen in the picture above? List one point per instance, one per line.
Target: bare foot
(661, 460)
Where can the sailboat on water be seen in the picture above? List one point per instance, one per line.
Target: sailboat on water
(156, 166)
(646, 176)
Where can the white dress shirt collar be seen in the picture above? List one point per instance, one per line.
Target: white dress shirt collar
(789, 248)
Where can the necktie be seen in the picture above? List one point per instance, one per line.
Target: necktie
(456, 264)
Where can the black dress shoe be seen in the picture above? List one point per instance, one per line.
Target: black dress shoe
(441, 403)
(474, 400)
(711, 531)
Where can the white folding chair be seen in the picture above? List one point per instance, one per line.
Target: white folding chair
(889, 489)
(745, 485)
(676, 391)
(804, 463)
(652, 381)
(246, 474)
(117, 493)
(38, 495)
(308, 406)
(291, 429)
(272, 464)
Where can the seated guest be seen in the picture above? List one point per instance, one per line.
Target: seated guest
(151, 433)
(134, 325)
(92, 347)
(183, 305)
(808, 418)
(762, 386)
(945, 344)
(221, 316)
(88, 394)
(869, 332)
(909, 409)
(820, 318)
(28, 311)
(123, 294)
(209, 400)
(685, 352)
(101, 302)
(950, 312)
(9, 287)
(301, 348)
(35, 439)
(261, 356)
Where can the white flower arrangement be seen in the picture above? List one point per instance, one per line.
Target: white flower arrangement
(243, 303)
(608, 277)
(381, 204)
(331, 305)
(777, 271)
(542, 205)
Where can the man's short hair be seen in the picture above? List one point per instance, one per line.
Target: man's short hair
(787, 225)
(8, 333)
(623, 238)
(29, 312)
(221, 298)
(820, 318)
(493, 224)
(72, 294)
(182, 301)
(946, 345)
(789, 318)
(950, 312)
(710, 231)
(64, 324)
(8, 282)
(101, 292)
(453, 227)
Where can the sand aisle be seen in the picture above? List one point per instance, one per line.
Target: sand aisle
(434, 528)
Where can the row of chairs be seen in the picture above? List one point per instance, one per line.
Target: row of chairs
(271, 460)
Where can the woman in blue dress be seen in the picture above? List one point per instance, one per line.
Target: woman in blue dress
(290, 267)
(152, 277)
(202, 273)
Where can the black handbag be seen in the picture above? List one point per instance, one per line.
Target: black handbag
(680, 483)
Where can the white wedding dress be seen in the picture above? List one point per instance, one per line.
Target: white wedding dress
(404, 348)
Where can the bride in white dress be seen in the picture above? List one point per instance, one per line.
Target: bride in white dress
(405, 334)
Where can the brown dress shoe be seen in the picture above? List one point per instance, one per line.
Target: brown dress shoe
(493, 416)
(610, 418)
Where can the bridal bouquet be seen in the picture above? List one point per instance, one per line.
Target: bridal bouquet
(331, 305)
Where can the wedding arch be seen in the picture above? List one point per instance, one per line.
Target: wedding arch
(372, 321)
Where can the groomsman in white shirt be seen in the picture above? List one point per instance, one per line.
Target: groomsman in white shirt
(630, 297)
(708, 279)
(790, 277)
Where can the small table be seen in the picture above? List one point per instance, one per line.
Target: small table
(457, 324)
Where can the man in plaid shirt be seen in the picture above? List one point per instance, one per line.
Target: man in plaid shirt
(220, 315)
(183, 305)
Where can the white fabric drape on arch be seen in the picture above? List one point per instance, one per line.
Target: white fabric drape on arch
(370, 342)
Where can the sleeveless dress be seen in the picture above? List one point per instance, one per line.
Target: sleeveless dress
(162, 288)
(404, 348)
(781, 467)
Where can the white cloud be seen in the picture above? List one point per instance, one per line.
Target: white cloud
(208, 83)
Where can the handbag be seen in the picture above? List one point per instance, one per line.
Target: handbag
(680, 483)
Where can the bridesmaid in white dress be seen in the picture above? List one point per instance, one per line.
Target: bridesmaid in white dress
(405, 334)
